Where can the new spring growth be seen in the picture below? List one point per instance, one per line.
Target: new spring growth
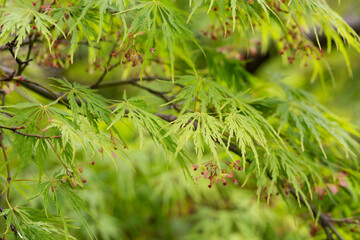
(212, 172)
(131, 51)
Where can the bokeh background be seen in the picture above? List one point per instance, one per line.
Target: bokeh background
(159, 201)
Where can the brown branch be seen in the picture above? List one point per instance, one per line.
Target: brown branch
(16, 130)
(53, 95)
(31, 85)
(129, 81)
(345, 220)
(8, 179)
(156, 93)
(21, 63)
(12, 227)
(107, 70)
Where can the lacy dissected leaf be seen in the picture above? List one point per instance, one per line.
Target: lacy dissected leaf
(87, 137)
(203, 129)
(312, 121)
(18, 20)
(234, 120)
(85, 101)
(104, 5)
(210, 94)
(134, 109)
(154, 14)
(35, 224)
(62, 197)
(33, 119)
(79, 19)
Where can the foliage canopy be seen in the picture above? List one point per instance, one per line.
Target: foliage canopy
(206, 111)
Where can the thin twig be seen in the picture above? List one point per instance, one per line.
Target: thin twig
(12, 227)
(345, 220)
(32, 85)
(157, 93)
(130, 81)
(53, 148)
(16, 130)
(21, 63)
(8, 179)
(106, 71)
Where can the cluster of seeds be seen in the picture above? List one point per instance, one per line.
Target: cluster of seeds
(297, 47)
(71, 178)
(57, 58)
(301, 50)
(131, 52)
(217, 30)
(213, 172)
(276, 5)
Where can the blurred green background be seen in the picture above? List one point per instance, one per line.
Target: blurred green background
(158, 201)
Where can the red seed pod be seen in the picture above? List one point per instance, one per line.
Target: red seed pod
(84, 181)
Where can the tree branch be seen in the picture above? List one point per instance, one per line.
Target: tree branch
(26, 82)
(8, 179)
(129, 81)
(16, 130)
(21, 63)
(107, 70)
(12, 227)
(345, 220)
